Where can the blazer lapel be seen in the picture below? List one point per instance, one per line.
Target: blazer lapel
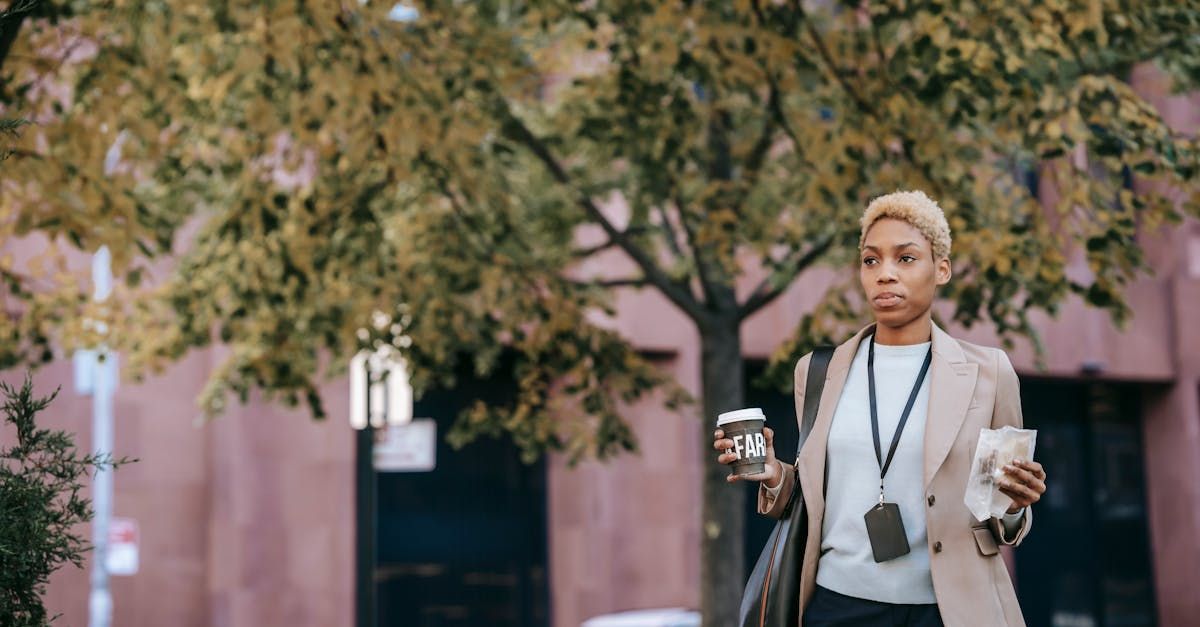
(951, 386)
(812, 456)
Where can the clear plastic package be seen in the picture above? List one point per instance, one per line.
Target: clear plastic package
(996, 448)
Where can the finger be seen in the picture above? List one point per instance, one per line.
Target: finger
(727, 458)
(719, 433)
(1033, 467)
(767, 473)
(1017, 486)
(1020, 475)
(723, 444)
(1018, 498)
(769, 440)
(1021, 493)
(1018, 501)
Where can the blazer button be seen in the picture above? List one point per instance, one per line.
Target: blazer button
(937, 547)
(930, 500)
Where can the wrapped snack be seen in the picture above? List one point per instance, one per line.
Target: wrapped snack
(996, 448)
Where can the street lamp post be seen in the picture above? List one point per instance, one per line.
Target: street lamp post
(96, 374)
(100, 602)
(375, 401)
(365, 511)
(379, 397)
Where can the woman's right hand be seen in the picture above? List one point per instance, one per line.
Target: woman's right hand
(770, 476)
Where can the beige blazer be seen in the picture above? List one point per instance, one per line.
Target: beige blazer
(971, 387)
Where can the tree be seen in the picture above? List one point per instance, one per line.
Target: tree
(329, 179)
(10, 23)
(41, 477)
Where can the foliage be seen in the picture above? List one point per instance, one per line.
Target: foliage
(311, 165)
(8, 17)
(41, 477)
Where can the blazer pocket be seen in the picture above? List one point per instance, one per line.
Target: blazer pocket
(985, 541)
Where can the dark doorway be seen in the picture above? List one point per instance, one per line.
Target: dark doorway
(1087, 560)
(465, 544)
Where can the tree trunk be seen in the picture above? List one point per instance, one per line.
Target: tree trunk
(722, 563)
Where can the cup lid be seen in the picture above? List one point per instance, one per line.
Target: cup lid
(749, 413)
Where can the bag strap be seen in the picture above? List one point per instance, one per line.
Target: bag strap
(818, 365)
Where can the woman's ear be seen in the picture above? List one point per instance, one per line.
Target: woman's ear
(943, 272)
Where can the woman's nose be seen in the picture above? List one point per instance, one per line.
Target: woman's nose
(886, 274)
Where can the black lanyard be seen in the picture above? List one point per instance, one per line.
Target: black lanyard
(912, 398)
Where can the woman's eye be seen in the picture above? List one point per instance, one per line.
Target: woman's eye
(908, 258)
(869, 261)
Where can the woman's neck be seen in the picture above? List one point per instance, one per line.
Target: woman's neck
(917, 331)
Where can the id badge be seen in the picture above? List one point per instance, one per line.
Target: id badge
(886, 531)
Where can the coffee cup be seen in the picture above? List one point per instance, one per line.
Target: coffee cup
(745, 428)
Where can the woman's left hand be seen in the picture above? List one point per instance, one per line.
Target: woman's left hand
(1024, 482)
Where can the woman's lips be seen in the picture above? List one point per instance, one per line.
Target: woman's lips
(887, 299)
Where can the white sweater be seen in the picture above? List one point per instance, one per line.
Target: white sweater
(847, 564)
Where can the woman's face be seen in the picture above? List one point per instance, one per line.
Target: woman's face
(898, 272)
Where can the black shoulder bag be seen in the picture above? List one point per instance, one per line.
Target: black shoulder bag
(772, 596)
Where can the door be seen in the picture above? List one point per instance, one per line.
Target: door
(465, 544)
(1087, 561)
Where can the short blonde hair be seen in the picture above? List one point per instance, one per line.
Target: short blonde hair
(916, 209)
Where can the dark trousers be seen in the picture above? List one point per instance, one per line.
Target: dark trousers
(831, 609)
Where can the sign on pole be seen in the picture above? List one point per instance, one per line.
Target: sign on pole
(409, 447)
(122, 547)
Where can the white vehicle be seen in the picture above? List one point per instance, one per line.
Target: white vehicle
(661, 617)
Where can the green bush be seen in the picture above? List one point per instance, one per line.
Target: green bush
(41, 505)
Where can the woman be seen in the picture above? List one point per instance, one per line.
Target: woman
(928, 396)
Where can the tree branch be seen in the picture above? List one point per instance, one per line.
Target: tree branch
(819, 42)
(776, 107)
(623, 282)
(672, 289)
(777, 281)
(669, 231)
(758, 154)
(863, 106)
(884, 59)
(702, 271)
(581, 253)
